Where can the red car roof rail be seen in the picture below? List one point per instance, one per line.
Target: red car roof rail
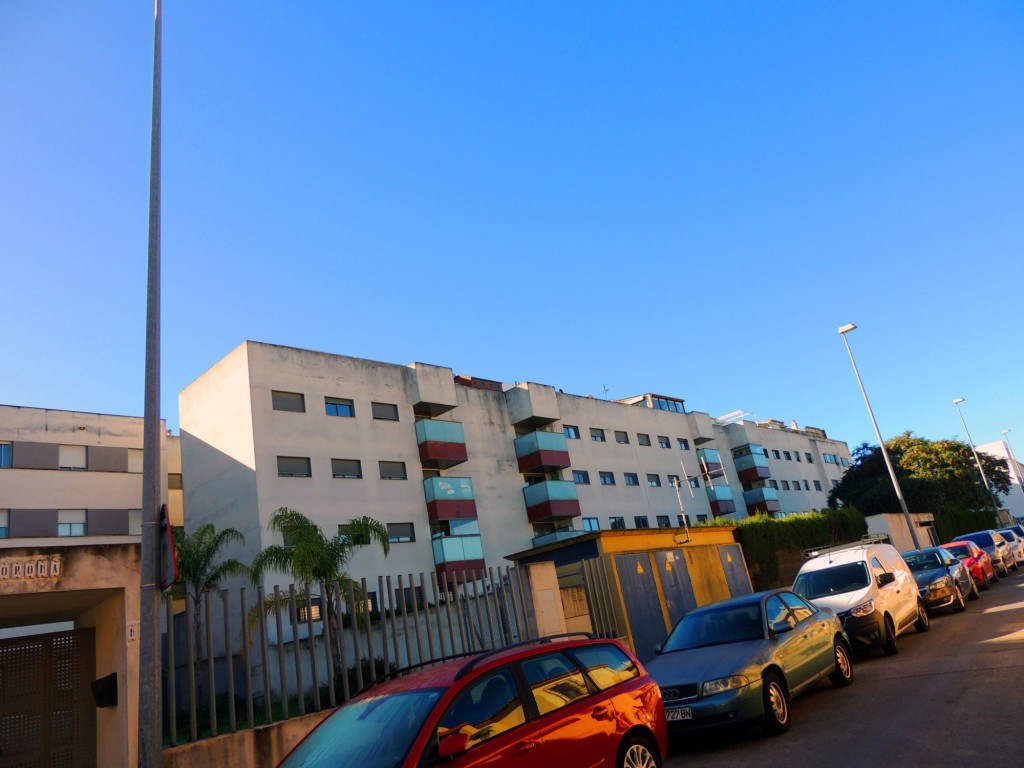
(546, 639)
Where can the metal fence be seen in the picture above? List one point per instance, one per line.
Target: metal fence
(260, 656)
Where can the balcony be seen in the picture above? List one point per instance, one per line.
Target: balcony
(531, 405)
(542, 452)
(753, 466)
(761, 500)
(454, 555)
(431, 389)
(449, 498)
(720, 497)
(551, 500)
(556, 536)
(710, 461)
(442, 443)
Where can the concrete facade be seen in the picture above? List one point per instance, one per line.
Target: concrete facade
(1013, 502)
(270, 426)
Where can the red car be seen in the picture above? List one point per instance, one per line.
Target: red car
(977, 561)
(558, 702)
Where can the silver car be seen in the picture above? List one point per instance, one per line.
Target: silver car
(993, 542)
(1016, 544)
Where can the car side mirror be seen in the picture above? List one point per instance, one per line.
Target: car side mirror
(657, 648)
(780, 627)
(886, 578)
(452, 744)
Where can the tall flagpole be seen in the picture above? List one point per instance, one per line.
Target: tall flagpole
(149, 624)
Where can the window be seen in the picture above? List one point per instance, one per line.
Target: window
(776, 454)
(581, 477)
(597, 435)
(359, 538)
(5, 455)
(796, 455)
(71, 522)
(571, 432)
(392, 470)
(777, 613)
(810, 459)
(347, 468)
(673, 481)
(174, 481)
(844, 461)
(606, 665)
(684, 444)
(400, 533)
(785, 485)
(607, 478)
(72, 457)
(486, 708)
(664, 442)
(621, 437)
(640, 521)
(134, 522)
(554, 680)
(681, 522)
(338, 406)
(695, 482)
(835, 483)
(617, 523)
(773, 484)
(5, 522)
(702, 518)
(664, 521)
(631, 478)
(830, 458)
(643, 439)
(654, 481)
(765, 452)
(293, 466)
(591, 524)
(817, 485)
(807, 486)
(788, 455)
(288, 401)
(384, 411)
(801, 610)
(135, 461)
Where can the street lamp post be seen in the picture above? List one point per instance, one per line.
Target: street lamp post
(977, 461)
(843, 330)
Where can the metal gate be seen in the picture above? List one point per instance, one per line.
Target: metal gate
(47, 712)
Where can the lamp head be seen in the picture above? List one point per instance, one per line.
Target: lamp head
(845, 329)
(1006, 431)
(958, 401)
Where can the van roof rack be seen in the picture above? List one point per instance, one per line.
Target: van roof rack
(866, 540)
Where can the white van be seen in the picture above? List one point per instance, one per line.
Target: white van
(869, 587)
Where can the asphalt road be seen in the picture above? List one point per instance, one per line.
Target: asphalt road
(952, 696)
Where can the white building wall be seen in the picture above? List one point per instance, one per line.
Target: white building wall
(1013, 502)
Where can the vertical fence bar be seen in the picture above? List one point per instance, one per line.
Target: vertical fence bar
(282, 660)
(249, 715)
(229, 659)
(488, 603)
(523, 592)
(211, 672)
(449, 596)
(437, 612)
(293, 609)
(416, 619)
(393, 615)
(172, 676)
(193, 706)
(328, 637)
(501, 612)
(313, 672)
(369, 627)
(478, 586)
(338, 598)
(355, 634)
(426, 617)
(394, 634)
(465, 614)
(261, 612)
(405, 619)
(596, 619)
(518, 604)
(606, 590)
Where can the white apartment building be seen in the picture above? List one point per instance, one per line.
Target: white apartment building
(1013, 502)
(463, 470)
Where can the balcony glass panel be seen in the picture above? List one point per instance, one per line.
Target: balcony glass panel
(449, 549)
(709, 455)
(551, 538)
(428, 430)
(749, 461)
(758, 495)
(550, 490)
(540, 441)
(719, 493)
(448, 489)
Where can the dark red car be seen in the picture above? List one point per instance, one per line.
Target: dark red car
(977, 561)
(558, 702)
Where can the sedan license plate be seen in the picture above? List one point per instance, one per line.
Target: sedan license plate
(683, 713)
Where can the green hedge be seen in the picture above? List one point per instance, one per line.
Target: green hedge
(762, 537)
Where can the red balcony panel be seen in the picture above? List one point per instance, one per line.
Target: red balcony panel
(459, 571)
(438, 455)
(544, 461)
(751, 474)
(768, 505)
(723, 507)
(548, 511)
(451, 509)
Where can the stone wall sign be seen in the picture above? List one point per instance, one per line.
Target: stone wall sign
(40, 573)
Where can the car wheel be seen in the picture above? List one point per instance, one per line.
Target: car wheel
(1005, 568)
(638, 752)
(1014, 564)
(984, 579)
(959, 604)
(776, 704)
(995, 574)
(891, 649)
(923, 623)
(974, 594)
(843, 674)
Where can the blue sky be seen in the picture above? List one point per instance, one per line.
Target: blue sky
(684, 198)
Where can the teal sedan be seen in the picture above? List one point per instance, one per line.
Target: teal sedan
(743, 659)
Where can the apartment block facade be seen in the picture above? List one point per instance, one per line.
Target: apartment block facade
(463, 470)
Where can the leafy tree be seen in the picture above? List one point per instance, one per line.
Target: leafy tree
(313, 558)
(201, 568)
(937, 476)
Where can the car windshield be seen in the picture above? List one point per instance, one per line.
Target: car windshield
(981, 539)
(961, 550)
(1009, 535)
(922, 561)
(375, 732)
(832, 581)
(716, 626)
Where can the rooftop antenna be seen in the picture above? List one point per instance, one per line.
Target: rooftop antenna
(604, 388)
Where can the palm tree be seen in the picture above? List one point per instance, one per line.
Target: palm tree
(201, 570)
(313, 558)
